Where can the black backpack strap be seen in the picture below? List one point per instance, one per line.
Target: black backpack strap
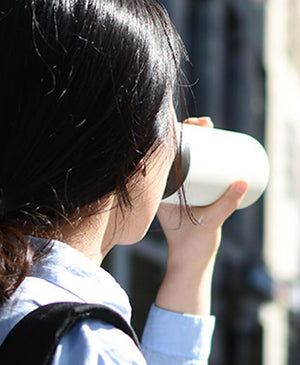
(34, 339)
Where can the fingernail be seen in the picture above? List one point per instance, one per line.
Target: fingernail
(241, 187)
(208, 120)
(192, 120)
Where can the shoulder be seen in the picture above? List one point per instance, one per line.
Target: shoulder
(31, 294)
(95, 342)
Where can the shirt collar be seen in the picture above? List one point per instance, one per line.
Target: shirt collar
(71, 270)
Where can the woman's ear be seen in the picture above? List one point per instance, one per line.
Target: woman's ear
(141, 166)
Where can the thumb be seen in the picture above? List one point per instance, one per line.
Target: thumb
(229, 201)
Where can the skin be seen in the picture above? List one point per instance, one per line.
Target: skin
(192, 249)
(186, 287)
(96, 235)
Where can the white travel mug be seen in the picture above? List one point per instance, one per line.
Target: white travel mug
(211, 160)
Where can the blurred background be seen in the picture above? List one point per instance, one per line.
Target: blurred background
(245, 72)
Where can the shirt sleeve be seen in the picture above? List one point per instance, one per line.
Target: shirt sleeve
(177, 339)
(169, 339)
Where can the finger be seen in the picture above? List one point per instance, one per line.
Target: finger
(228, 202)
(201, 122)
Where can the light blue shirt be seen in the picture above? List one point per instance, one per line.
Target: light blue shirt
(67, 275)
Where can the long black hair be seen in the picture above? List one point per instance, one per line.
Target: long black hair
(85, 93)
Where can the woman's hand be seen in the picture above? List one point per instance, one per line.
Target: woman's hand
(193, 247)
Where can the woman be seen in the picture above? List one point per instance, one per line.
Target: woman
(87, 142)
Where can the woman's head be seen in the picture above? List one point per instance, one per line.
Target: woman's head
(86, 91)
(85, 94)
